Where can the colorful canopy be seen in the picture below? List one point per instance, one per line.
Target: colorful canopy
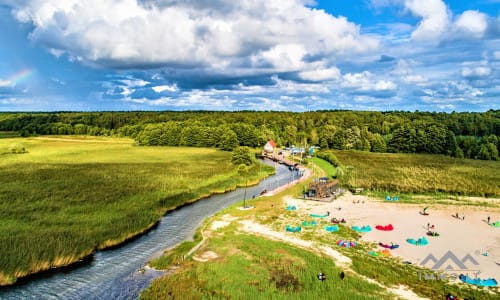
(384, 252)
(346, 244)
(319, 216)
(392, 246)
(293, 229)
(365, 228)
(478, 281)
(309, 224)
(420, 242)
(332, 228)
(385, 228)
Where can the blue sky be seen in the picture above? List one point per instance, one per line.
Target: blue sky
(296, 55)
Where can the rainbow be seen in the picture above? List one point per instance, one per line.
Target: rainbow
(21, 75)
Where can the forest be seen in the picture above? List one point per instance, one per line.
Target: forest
(473, 135)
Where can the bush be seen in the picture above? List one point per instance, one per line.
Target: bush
(329, 157)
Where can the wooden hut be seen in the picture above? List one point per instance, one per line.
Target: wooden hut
(323, 188)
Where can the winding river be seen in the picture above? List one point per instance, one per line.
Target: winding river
(115, 273)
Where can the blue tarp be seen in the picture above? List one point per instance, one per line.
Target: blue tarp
(291, 207)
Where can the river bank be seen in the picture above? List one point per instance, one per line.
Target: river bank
(116, 273)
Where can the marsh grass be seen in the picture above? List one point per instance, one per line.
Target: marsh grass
(420, 174)
(66, 198)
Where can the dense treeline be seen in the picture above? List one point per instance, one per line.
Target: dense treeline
(470, 135)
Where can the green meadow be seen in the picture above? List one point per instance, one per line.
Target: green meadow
(67, 196)
(419, 173)
(249, 266)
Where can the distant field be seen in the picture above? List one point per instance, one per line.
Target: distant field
(8, 134)
(420, 173)
(66, 197)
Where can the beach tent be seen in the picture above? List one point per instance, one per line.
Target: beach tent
(385, 228)
(346, 244)
(293, 229)
(365, 228)
(393, 246)
(332, 228)
(291, 207)
(490, 282)
(309, 224)
(496, 224)
(420, 242)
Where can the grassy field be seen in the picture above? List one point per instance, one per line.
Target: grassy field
(420, 173)
(66, 197)
(330, 170)
(254, 267)
(8, 134)
(250, 267)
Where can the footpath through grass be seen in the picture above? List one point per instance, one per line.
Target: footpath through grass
(65, 198)
(419, 173)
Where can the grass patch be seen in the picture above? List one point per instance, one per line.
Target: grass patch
(419, 173)
(251, 267)
(327, 167)
(68, 197)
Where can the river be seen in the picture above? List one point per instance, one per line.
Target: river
(116, 273)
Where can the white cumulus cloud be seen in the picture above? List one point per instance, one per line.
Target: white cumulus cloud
(221, 35)
(471, 23)
(435, 19)
(162, 88)
(320, 74)
(474, 72)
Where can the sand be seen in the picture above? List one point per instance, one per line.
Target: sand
(471, 236)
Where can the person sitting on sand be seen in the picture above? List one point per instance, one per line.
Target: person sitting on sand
(456, 215)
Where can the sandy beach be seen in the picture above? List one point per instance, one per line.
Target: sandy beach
(471, 236)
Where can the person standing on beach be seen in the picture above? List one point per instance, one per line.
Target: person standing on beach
(489, 220)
